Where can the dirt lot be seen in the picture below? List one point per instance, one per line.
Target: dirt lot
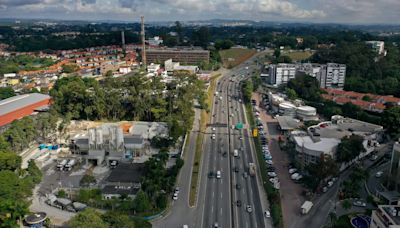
(299, 55)
(290, 192)
(234, 56)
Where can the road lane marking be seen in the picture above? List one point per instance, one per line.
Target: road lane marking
(221, 195)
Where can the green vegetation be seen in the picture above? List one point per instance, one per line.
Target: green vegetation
(131, 98)
(349, 148)
(70, 68)
(23, 62)
(223, 44)
(364, 74)
(235, 56)
(15, 187)
(324, 168)
(6, 92)
(87, 180)
(298, 55)
(26, 130)
(391, 120)
(341, 222)
(350, 188)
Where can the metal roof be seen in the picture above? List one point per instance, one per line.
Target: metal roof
(17, 102)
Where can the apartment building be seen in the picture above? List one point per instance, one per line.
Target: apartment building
(184, 56)
(330, 75)
(386, 216)
(281, 73)
(377, 46)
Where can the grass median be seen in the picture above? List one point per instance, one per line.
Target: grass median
(204, 118)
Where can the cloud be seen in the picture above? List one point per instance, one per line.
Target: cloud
(349, 11)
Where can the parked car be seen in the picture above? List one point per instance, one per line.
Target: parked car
(271, 174)
(239, 203)
(378, 174)
(359, 203)
(269, 162)
(267, 214)
(249, 208)
(293, 170)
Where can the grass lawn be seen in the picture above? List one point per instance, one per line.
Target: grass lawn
(234, 56)
(299, 55)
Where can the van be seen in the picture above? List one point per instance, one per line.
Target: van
(218, 174)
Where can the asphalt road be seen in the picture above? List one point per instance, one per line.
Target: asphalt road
(217, 198)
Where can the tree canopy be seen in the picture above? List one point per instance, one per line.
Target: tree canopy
(349, 148)
(6, 92)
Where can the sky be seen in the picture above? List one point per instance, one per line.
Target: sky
(318, 11)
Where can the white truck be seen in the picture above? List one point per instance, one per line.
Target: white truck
(235, 153)
(252, 169)
(70, 165)
(61, 164)
(306, 207)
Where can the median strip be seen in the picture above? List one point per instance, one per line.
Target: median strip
(204, 118)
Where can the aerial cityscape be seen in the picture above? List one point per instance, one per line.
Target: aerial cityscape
(192, 114)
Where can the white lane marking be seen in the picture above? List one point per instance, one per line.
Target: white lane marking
(212, 208)
(220, 211)
(213, 195)
(221, 195)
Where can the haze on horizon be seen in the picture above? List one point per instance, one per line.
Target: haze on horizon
(338, 11)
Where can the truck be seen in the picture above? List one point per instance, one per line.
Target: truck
(252, 169)
(61, 164)
(306, 207)
(235, 153)
(70, 164)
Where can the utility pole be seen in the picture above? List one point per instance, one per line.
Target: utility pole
(144, 60)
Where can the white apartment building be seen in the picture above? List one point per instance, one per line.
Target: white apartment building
(330, 75)
(335, 76)
(378, 46)
(386, 216)
(281, 73)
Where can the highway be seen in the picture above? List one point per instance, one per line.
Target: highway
(217, 197)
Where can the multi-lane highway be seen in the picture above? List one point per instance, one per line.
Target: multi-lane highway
(224, 200)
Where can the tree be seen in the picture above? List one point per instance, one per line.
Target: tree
(34, 172)
(292, 95)
(223, 44)
(117, 219)
(142, 202)
(69, 68)
(9, 161)
(87, 180)
(6, 92)
(391, 120)
(277, 53)
(87, 218)
(179, 32)
(346, 204)
(349, 148)
(306, 87)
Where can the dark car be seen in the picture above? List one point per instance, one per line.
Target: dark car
(236, 169)
(225, 154)
(239, 203)
(211, 175)
(238, 186)
(271, 169)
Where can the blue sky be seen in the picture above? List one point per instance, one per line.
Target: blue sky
(340, 11)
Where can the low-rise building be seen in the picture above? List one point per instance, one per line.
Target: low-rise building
(322, 139)
(386, 216)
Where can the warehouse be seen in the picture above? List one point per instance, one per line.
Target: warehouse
(17, 107)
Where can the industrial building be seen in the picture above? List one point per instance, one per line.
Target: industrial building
(117, 142)
(184, 55)
(17, 107)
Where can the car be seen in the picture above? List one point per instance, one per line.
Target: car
(185, 226)
(273, 180)
(271, 169)
(267, 214)
(293, 170)
(213, 136)
(238, 186)
(245, 174)
(239, 203)
(225, 154)
(218, 175)
(213, 129)
(269, 162)
(176, 190)
(324, 189)
(268, 157)
(378, 174)
(271, 174)
(236, 169)
(211, 174)
(249, 208)
(373, 157)
(359, 203)
(240, 137)
(216, 225)
(330, 183)
(175, 196)
(294, 176)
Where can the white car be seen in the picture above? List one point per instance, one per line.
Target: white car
(213, 129)
(213, 136)
(271, 174)
(267, 214)
(218, 174)
(291, 171)
(269, 162)
(273, 180)
(379, 174)
(175, 196)
(294, 176)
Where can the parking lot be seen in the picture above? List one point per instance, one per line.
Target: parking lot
(291, 193)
